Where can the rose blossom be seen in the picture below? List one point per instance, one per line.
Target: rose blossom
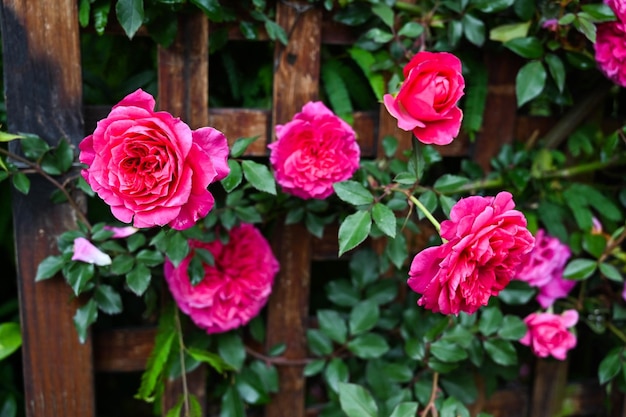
(485, 240)
(611, 51)
(234, 289)
(619, 8)
(427, 101)
(313, 151)
(150, 167)
(85, 251)
(548, 333)
(121, 232)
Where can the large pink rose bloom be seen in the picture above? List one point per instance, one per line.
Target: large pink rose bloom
(427, 101)
(313, 151)
(548, 333)
(611, 51)
(619, 7)
(543, 268)
(234, 289)
(150, 167)
(485, 241)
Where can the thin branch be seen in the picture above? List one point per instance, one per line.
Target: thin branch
(430, 408)
(277, 360)
(181, 355)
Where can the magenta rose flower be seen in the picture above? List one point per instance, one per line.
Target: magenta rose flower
(313, 151)
(611, 51)
(619, 8)
(427, 101)
(548, 333)
(485, 241)
(150, 167)
(85, 251)
(234, 289)
(543, 268)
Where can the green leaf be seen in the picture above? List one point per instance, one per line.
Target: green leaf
(501, 351)
(10, 339)
(85, 316)
(513, 328)
(211, 8)
(407, 409)
(490, 320)
(610, 365)
(195, 270)
(155, 365)
(8, 137)
(385, 219)
(79, 275)
(353, 193)
(21, 182)
(580, 269)
(122, 264)
(108, 299)
(49, 267)
(449, 183)
(397, 251)
(139, 279)
(411, 30)
(259, 176)
(314, 367)
(365, 60)
(529, 82)
(363, 268)
(529, 48)
(460, 384)
(213, 360)
(33, 146)
(611, 272)
(234, 177)
(342, 293)
(363, 317)
(232, 404)
(231, 349)
(447, 351)
(356, 401)
(505, 33)
(353, 230)
(368, 346)
(599, 12)
(492, 6)
(318, 342)
(333, 325)
(177, 248)
(336, 89)
(268, 375)
(473, 29)
(149, 257)
(336, 373)
(130, 14)
(475, 96)
(557, 70)
(240, 146)
(385, 13)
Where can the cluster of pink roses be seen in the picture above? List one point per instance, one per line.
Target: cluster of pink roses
(610, 48)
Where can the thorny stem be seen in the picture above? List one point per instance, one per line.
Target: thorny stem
(181, 355)
(430, 407)
(277, 360)
(54, 182)
(424, 210)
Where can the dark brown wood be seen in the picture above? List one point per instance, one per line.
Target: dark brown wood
(123, 350)
(548, 387)
(296, 81)
(43, 87)
(184, 92)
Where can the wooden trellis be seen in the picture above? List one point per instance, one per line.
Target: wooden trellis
(44, 96)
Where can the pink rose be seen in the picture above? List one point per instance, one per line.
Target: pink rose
(550, 24)
(315, 150)
(121, 232)
(619, 7)
(543, 268)
(427, 100)
(548, 333)
(234, 289)
(85, 251)
(486, 241)
(611, 51)
(150, 167)
(545, 262)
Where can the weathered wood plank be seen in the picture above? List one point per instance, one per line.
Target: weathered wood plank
(296, 81)
(123, 350)
(43, 85)
(183, 70)
(548, 387)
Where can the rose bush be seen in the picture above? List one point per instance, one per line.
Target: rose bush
(548, 333)
(151, 168)
(427, 101)
(313, 151)
(485, 241)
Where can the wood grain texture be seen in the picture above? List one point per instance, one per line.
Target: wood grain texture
(123, 350)
(296, 81)
(43, 87)
(548, 387)
(184, 92)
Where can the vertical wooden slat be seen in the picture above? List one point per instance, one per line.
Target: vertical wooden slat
(43, 85)
(548, 387)
(296, 81)
(184, 92)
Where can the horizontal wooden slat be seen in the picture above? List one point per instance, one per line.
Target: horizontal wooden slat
(123, 350)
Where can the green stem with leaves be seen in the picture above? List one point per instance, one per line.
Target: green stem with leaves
(181, 355)
(54, 182)
(425, 211)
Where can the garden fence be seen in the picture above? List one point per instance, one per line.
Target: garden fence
(43, 85)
